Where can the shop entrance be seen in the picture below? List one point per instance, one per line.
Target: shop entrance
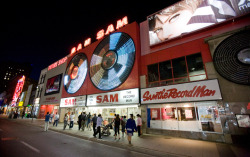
(109, 112)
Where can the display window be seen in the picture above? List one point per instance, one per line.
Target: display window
(198, 116)
(209, 117)
(108, 112)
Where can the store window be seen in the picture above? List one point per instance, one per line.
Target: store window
(209, 118)
(179, 70)
(169, 117)
(200, 116)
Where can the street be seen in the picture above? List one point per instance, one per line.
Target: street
(23, 140)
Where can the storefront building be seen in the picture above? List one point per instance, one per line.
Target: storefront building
(76, 105)
(194, 79)
(39, 89)
(105, 73)
(51, 95)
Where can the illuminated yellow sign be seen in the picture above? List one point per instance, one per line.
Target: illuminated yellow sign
(20, 103)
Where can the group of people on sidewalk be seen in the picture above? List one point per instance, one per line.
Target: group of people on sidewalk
(128, 126)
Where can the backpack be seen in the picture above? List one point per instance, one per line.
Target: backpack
(84, 117)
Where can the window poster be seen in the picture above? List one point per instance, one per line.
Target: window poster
(155, 113)
(188, 114)
(243, 120)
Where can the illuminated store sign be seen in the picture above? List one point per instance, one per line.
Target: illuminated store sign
(57, 63)
(73, 101)
(18, 90)
(195, 91)
(189, 15)
(101, 33)
(130, 96)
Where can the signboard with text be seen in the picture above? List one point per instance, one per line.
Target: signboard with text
(130, 96)
(194, 91)
(73, 101)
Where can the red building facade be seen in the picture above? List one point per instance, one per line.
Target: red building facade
(183, 92)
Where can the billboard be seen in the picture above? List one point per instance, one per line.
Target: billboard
(18, 91)
(189, 15)
(53, 85)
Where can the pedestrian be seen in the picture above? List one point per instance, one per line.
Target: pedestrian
(117, 126)
(114, 123)
(71, 118)
(46, 125)
(98, 125)
(139, 124)
(79, 121)
(65, 121)
(88, 121)
(18, 114)
(94, 120)
(83, 121)
(123, 124)
(23, 114)
(56, 119)
(51, 117)
(130, 127)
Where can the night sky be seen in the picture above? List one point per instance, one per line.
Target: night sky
(41, 32)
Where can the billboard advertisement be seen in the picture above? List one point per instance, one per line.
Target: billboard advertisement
(53, 85)
(190, 15)
(107, 65)
(18, 91)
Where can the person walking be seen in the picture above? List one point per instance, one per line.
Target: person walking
(83, 121)
(71, 118)
(98, 125)
(94, 120)
(88, 121)
(51, 117)
(117, 126)
(139, 124)
(46, 125)
(65, 121)
(130, 127)
(79, 121)
(123, 124)
(23, 114)
(56, 119)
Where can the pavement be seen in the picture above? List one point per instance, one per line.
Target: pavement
(155, 145)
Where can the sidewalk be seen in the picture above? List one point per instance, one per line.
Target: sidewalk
(156, 145)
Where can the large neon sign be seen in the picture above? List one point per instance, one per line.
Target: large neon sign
(18, 90)
(101, 33)
(57, 63)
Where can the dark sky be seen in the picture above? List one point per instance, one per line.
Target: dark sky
(42, 32)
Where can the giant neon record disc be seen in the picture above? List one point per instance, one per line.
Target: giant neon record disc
(112, 61)
(75, 73)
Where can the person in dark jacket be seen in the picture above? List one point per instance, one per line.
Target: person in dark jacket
(117, 126)
(94, 119)
(46, 125)
(130, 127)
(79, 121)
